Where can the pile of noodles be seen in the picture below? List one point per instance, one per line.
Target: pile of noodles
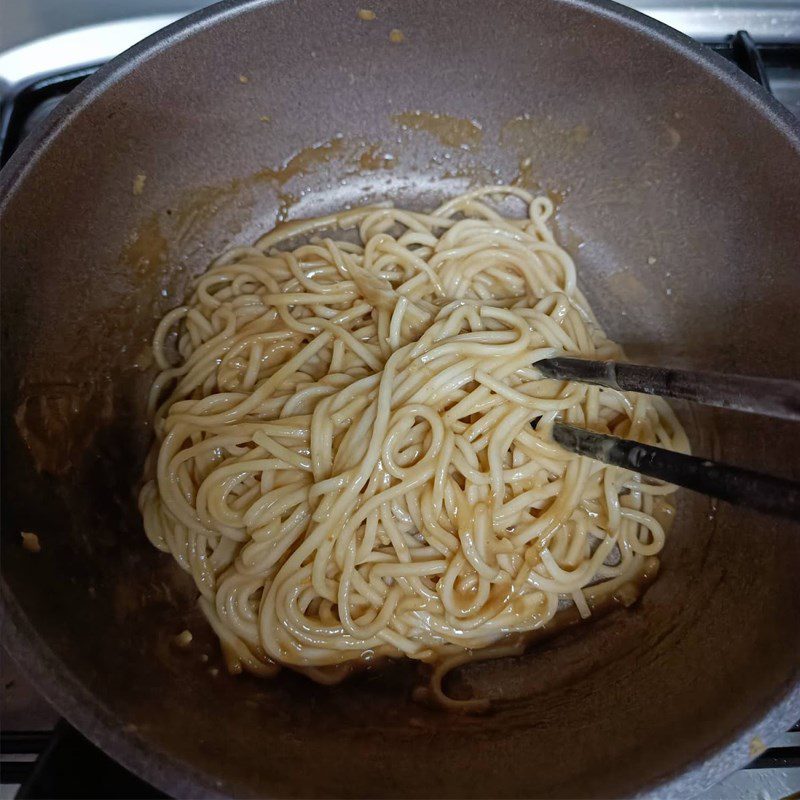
(345, 461)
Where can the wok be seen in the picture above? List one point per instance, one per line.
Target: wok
(677, 185)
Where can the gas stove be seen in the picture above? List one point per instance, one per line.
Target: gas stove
(41, 755)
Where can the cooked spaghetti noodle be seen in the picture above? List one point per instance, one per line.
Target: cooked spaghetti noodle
(345, 461)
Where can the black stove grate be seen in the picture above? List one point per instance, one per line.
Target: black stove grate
(760, 60)
(63, 759)
(52, 772)
(29, 103)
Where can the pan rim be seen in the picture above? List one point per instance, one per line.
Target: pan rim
(64, 690)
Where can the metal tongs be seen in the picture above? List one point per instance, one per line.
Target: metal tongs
(767, 396)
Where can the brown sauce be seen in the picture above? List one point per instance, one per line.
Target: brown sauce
(450, 131)
(526, 132)
(147, 248)
(302, 161)
(57, 422)
(375, 158)
(516, 644)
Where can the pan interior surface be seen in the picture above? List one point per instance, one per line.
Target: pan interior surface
(677, 196)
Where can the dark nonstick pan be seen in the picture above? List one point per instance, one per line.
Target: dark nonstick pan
(677, 182)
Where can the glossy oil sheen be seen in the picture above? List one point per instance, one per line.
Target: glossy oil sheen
(677, 189)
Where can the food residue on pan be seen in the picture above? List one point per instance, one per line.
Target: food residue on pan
(302, 161)
(525, 174)
(669, 138)
(244, 79)
(579, 134)
(526, 131)
(30, 541)
(196, 209)
(143, 359)
(57, 422)
(285, 202)
(265, 118)
(191, 214)
(396, 36)
(183, 639)
(138, 183)
(757, 747)
(450, 131)
(146, 250)
(373, 158)
(366, 14)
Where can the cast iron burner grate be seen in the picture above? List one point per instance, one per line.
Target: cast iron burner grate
(59, 762)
